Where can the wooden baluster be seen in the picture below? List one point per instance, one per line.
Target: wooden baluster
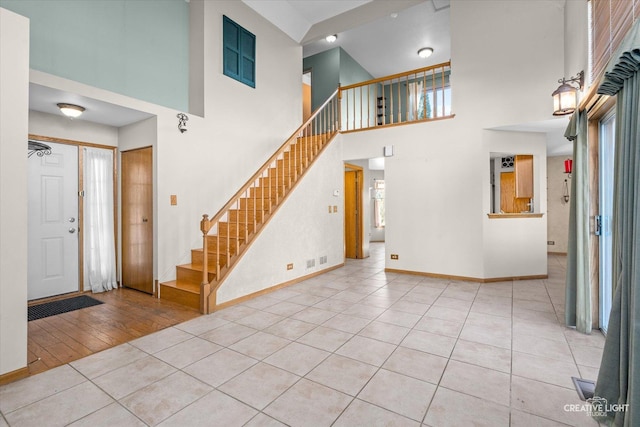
(205, 226)
(218, 251)
(273, 185)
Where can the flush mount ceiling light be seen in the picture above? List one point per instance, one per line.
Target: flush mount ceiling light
(565, 98)
(71, 110)
(425, 52)
(331, 38)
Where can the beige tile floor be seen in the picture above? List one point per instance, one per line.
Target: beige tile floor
(353, 347)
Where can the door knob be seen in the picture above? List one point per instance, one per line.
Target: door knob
(72, 219)
(72, 230)
(145, 220)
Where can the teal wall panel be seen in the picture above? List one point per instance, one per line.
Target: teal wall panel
(350, 71)
(138, 48)
(328, 70)
(325, 75)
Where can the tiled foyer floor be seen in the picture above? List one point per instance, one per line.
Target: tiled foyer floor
(353, 347)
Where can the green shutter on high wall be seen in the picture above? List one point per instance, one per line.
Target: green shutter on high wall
(239, 53)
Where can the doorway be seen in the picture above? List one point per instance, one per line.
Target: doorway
(353, 212)
(53, 218)
(306, 95)
(137, 219)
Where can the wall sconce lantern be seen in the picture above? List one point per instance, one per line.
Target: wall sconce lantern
(182, 122)
(568, 168)
(565, 98)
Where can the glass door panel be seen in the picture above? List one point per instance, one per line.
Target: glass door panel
(607, 145)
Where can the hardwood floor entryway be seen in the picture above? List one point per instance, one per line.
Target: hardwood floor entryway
(125, 315)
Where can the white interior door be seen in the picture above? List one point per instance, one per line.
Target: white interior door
(53, 222)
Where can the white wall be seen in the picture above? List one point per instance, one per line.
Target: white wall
(506, 58)
(44, 124)
(576, 43)
(242, 127)
(302, 230)
(517, 247)
(14, 86)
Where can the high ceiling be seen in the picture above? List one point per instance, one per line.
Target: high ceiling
(381, 35)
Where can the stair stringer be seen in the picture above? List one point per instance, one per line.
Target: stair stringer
(227, 271)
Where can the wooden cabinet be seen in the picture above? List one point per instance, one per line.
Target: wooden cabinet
(523, 168)
(516, 188)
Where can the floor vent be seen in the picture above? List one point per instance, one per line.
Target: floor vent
(585, 388)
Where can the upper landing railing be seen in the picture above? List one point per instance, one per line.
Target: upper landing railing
(413, 96)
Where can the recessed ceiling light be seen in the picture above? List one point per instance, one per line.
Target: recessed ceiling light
(394, 15)
(425, 52)
(71, 110)
(331, 38)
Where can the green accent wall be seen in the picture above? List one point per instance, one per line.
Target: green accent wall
(350, 71)
(138, 48)
(325, 75)
(328, 70)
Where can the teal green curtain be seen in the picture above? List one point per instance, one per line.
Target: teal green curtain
(619, 376)
(578, 288)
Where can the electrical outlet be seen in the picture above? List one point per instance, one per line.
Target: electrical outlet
(329, 209)
(323, 259)
(550, 242)
(290, 266)
(394, 256)
(311, 263)
(335, 209)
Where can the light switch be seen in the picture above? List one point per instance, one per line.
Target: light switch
(335, 209)
(174, 200)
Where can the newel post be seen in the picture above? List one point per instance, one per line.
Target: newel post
(205, 287)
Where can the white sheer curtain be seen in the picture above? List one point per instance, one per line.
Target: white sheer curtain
(416, 109)
(99, 244)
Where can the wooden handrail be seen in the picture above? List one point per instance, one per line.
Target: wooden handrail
(395, 76)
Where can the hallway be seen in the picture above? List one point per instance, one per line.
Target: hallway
(355, 346)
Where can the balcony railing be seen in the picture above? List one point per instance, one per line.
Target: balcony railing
(418, 95)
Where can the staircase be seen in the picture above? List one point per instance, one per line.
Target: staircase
(231, 231)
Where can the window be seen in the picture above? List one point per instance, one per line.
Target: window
(239, 53)
(512, 183)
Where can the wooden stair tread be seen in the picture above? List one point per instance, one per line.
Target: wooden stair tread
(194, 267)
(186, 287)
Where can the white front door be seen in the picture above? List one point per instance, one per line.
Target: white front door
(53, 222)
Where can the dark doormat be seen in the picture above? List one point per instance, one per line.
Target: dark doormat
(52, 308)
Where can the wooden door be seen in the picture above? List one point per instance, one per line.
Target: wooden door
(52, 239)
(509, 203)
(353, 213)
(137, 219)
